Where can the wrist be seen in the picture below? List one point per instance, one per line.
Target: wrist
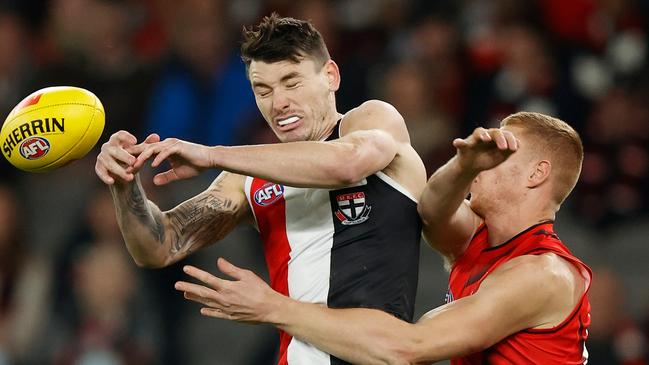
(216, 156)
(464, 172)
(279, 308)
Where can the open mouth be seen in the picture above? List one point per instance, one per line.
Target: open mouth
(287, 121)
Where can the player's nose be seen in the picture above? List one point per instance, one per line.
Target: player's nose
(280, 102)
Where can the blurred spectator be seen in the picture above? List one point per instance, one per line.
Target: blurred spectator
(15, 69)
(24, 286)
(106, 319)
(613, 337)
(202, 94)
(431, 132)
(616, 164)
(89, 43)
(106, 330)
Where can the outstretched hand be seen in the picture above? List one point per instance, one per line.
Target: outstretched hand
(115, 162)
(485, 148)
(246, 298)
(186, 159)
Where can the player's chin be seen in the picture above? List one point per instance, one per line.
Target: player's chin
(290, 136)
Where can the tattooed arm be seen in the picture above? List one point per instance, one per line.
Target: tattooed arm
(157, 239)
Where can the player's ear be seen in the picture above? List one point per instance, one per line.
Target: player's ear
(539, 174)
(333, 75)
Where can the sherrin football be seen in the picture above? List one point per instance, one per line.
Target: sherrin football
(52, 127)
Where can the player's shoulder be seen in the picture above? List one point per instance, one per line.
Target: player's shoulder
(545, 274)
(374, 114)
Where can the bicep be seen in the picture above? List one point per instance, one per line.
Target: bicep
(207, 217)
(508, 301)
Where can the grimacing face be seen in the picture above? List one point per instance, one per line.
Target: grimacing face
(295, 99)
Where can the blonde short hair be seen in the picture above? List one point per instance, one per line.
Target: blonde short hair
(560, 140)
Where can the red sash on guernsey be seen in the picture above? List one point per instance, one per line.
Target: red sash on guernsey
(562, 344)
(276, 250)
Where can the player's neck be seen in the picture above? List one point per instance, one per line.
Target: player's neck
(505, 225)
(327, 127)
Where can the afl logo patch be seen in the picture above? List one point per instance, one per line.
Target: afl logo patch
(34, 148)
(268, 194)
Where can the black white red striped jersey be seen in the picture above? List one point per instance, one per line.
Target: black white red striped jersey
(345, 248)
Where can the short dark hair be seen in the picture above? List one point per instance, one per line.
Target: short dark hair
(278, 38)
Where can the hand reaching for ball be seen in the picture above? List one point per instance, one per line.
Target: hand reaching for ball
(186, 159)
(116, 161)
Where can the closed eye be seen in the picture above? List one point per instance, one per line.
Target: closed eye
(263, 92)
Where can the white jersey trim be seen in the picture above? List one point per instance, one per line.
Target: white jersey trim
(390, 181)
(247, 185)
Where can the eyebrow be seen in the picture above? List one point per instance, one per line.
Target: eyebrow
(284, 78)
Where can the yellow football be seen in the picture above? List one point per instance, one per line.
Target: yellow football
(52, 127)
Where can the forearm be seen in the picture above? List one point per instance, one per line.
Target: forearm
(360, 336)
(141, 223)
(157, 239)
(310, 164)
(445, 191)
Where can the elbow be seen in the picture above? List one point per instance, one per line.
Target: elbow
(348, 174)
(151, 262)
(400, 351)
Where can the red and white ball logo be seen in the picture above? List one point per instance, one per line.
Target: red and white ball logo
(34, 148)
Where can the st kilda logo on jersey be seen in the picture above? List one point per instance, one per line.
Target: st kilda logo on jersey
(268, 194)
(352, 208)
(34, 148)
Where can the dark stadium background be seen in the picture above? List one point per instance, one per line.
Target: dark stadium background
(69, 293)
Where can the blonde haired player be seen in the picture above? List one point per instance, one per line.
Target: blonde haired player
(517, 295)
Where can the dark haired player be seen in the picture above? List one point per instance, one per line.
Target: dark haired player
(335, 203)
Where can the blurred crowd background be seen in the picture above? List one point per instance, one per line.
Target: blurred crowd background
(69, 292)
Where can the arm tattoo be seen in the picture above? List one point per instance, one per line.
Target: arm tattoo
(200, 221)
(138, 205)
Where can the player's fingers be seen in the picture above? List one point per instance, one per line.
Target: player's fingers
(140, 147)
(229, 269)
(196, 290)
(101, 172)
(204, 276)
(114, 168)
(122, 155)
(152, 138)
(124, 137)
(166, 177)
(162, 155)
(460, 143)
(209, 302)
(498, 138)
(512, 142)
(479, 134)
(146, 153)
(215, 313)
